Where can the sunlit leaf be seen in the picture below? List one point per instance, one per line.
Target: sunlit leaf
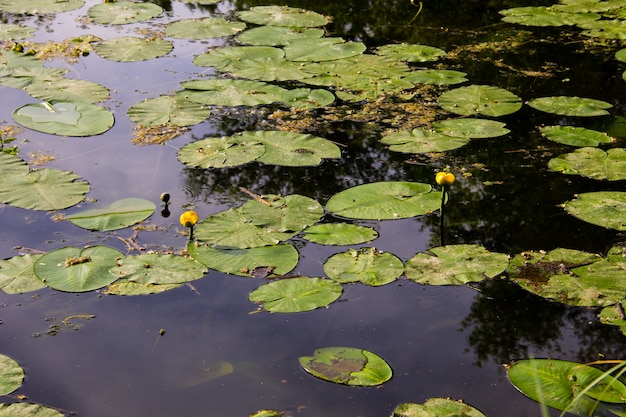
(470, 128)
(123, 12)
(571, 106)
(40, 6)
(225, 92)
(277, 35)
(14, 59)
(292, 149)
(324, 49)
(13, 32)
(346, 365)
(605, 29)
(163, 110)
(436, 77)
(422, 141)
(410, 52)
(294, 295)
(437, 407)
(614, 316)
(210, 27)
(132, 48)
(129, 288)
(11, 375)
(155, 268)
(225, 59)
(480, 99)
(17, 276)
(282, 16)
(20, 77)
(602, 208)
(339, 234)
(221, 152)
(545, 16)
(368, 266)
(12, 164)
(575, 136)
(67, 89)
(305, 98)
(592, 163)
(117, 215)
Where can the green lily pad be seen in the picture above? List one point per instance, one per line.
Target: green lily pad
(260, 261)
(20, 77)
(203, 2)
(471, 128)
(123, 12)
(12, 375)
(346, 365)
(612, 315)
(12, 165)
(605, 29)
(40, 6)
(128, 288)
(602, 208)
(368, 266)
(272, 69)
(292, 149)
(173, 110)
(26, 409)
(226, 92)
(558, 383)
(207, 28)
(570, 277)
(455, 265)
(545, 16)
(13, 32)
(294, 295)
(436, 77)
(225, 59)
(437, 407)
(324, 49)
(480, 99)
(305, 98)
(282, 16)
(65, 118)
(12, 59)
(73, 269)
(277, 35)
(155, 268)
(592, 163)
(384, 200)
(339, 234)
(133, 49)
(68, 90)
(43, 189)
(221, 152)
(410, 52)
(17, 275)
(422, 141)
(117, 215)
(575, 136)
(571, 106)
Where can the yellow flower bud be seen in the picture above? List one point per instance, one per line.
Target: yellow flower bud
(444, 178)
(189, 218)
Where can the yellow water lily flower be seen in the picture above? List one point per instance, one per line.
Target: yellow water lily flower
(189, 218)
(445, 178)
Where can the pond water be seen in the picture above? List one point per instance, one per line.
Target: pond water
(218, 356)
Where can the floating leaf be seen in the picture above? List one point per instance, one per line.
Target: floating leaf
(367, 265)
(471, 128)
(455, 265)
(480, 99)
(68, 90)
(173, 110)
(225, 59)
(305, 98)
(605, 29)
(272, 69)
(575, 136)
(12, 164)
(221, 152)
(225, 92)
(422, 141)
(132, 48)
(156, 268)
(339, 234)
(128, 288)
(40, 6)
(436, 77)
(592, 163)
(20, 77)
(410, 52)
(207, 28)
(277, 35)
(12, 59)
(571, 106)
(384, 200)
(117, 215)
(292, 149)
(346, 365)
(77, 270)
(65, 118)
(545, 16)
(614, 316)
(17, 276)
(123, 12)
(282, 16)
(203, 2)
(324, 49)
(13, 32)
(294, 295)
(437, 407)
(11, 375)
(26, 409)
(276, 259)
(602, 208)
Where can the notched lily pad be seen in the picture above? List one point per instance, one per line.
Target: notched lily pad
(592, 163)
(117, 215)
(67, 90)
(602, 208)
(11, 375)
(437, 407)
(163, 110)
(423, 141)
(571, 106)
(480, 99)
(123, 12)
(368, 266)
(410, 52)
(339, 234)
(575, 136)
(294, 295)
(155, 268)
(282, 16)
(17, 275)
(133, 49)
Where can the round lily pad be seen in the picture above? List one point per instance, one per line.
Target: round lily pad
(571, 106)
(437, 407)
(368, 266)
(65, 118)
(14, 32)
(173, 110)
(384, 200)
(423, 141)
(436, 77)
(156, 268)
(455, 265)
(129, 288)
(282, 16)
(40, 6)
(602, 208)
(410, 52)
(207, 28)
(27, 409)
(132, 48)
(123, 12)
(347, 365)
(221, 152)
(592, 163)
(339, 234)
(117, 215)
(292, 149)
(20, 77)
(480, 99)
(305, 98)
(17, 275)
(324, 49)
(67, 89)
(11, 375)
(471, 128)
(294, 295)
(575, 136)
(225, 59)
(226, 92)
(277, 35)
(545, 16)
(73, 269)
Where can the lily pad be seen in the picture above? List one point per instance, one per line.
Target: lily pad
(40, 6)
(27, 409)
(221, 152)
(436, 77)
(13, 32)
(602, 208)
(129, 288)
(324, 49)
(12, 165)
(410, 52)
(545, 16)
(17, 276)
(605, 29)
(123, 12)
(73, 269)
(225, 92)
(12, 375)
(471, 128)
(437, 407)
(346, 365)
(614, 316)
(282, 16)
(305, 98)
(368, 266)
(225, 59)
(207, 28)
(68, 90)
(339, 234)
(455, 265)
(294, 295)
(252, 262)
(14, 59)
(117, 215)
(422, 141)
(575, 136)
(155, 268)
(20, 77)
(272, 69)
(384, 200)
(132, 48)
(173, 110)
(292, 149)
(65, 118)
(277, 35)
(571, 106)
(480, 99)
(592, 163)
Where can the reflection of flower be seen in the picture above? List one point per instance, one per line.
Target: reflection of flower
(444, 178)
(189, 218)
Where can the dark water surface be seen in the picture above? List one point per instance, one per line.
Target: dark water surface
(440, 341)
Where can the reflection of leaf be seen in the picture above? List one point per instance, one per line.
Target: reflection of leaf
(602, 208)
(592, 163)
(118, 215)
(295, 295)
